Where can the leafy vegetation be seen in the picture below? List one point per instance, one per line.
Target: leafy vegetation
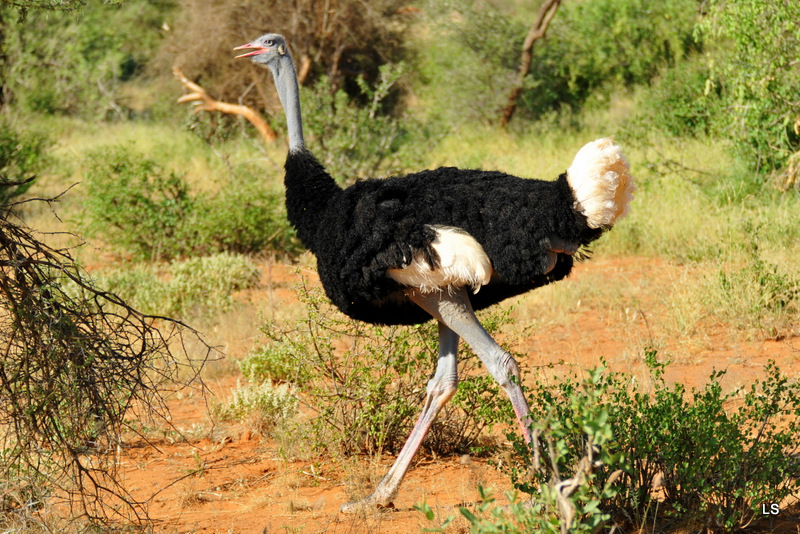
(360, 141)
(194, 288)
(151, 213)
(754, 77)
(693, 457)
(619, 454)
(20, 157)
(261, 407)
(74, 62)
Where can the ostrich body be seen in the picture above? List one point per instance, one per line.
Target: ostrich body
(440, 244)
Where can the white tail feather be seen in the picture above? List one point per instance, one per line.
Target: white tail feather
(601, 182)
(462, 262)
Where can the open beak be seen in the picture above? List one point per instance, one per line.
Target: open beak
(254, 50)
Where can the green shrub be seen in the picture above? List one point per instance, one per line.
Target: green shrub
(753, 294)
(261, 407)
(20, 157)
(742, 89)
(146, 211)
(136, 205)
(754, 46)
(590, 48)
(579, 472)
(367, 383)
(246, 216)
(719, 456)
(198, 287)
(680, 102)
(275, 362)
(76, 62)
(359, 141)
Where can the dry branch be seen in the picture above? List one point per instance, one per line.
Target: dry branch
(537, 31)
(204, 102)
(79, 369)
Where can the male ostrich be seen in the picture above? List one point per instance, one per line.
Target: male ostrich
(441, 243)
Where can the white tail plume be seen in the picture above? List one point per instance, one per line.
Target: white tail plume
(601, 182)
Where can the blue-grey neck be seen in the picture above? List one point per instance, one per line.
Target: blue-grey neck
(288, 91)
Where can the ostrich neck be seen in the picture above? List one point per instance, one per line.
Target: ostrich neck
(289, 93)
(310, 190)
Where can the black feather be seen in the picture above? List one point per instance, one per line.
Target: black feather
(360, 232)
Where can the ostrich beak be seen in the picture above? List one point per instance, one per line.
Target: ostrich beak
(256, 49)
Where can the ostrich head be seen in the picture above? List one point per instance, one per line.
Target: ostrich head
(266, 50)
(271, 51)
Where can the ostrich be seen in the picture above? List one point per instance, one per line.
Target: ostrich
(440, 244)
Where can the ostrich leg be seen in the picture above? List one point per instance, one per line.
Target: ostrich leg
(456, 318)
(440, 389)
(454, 310)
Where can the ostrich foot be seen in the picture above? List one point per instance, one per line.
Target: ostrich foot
(368, 504)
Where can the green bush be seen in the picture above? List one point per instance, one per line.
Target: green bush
(356, 140)
(20, 157)
(719, 456)
(754, 295)
(76, 61)
(136, 205)
(742, 88)
(578, 474)
(367, 383)
(680, 102)
(275, 362)
(590, 48)
(198, 287)
(754, 46)
(146, 211)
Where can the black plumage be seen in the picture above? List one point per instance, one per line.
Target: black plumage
(358, 233)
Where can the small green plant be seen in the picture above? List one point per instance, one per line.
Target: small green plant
(261, 407)
(275, 362)
(753, 293)
(367, 383)
(578, 471)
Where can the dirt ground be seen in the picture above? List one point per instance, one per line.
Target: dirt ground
(226, 480)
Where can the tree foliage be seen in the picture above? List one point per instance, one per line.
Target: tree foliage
(754, 75)
(74, 61)
(590, 47)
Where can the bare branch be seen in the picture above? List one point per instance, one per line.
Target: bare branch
(204, 102)
(79, 368)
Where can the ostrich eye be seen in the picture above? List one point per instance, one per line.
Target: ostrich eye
(270, 42)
